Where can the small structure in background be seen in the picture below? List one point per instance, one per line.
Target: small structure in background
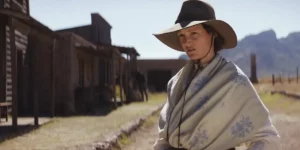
(253, 77)
(159, 71)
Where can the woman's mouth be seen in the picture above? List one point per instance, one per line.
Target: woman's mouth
(191, 50)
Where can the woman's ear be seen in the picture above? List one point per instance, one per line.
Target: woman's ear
(215, 35)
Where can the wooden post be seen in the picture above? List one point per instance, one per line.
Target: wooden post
(297, 74)
(36, 108)
(53, 80)
(121, 79)
(113, 84)
(35, 81)
(280, 78)
(289, 80)
(253, 77)
(105, 71)
(14, 74)
(126, 68)
(92, 94)
(33, 74)
(273, 79)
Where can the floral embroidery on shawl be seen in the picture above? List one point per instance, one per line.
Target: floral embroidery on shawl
(203, 100)
(200, 83)
(241, 128)
(199, 138)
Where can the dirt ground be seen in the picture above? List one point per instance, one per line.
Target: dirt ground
(287, 123)
(76, 132)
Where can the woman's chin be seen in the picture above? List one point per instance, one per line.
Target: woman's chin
(193, 58)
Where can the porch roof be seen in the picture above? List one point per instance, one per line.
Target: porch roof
(127, 50)
(101, 50)
(122, 49)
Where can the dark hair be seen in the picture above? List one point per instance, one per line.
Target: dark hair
(219, 41)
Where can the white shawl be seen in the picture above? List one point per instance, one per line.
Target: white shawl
(222, 110)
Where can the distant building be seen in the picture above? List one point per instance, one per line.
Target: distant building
(159, 71)
(98, 32)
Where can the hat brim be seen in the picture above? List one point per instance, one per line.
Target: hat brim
(169, 36)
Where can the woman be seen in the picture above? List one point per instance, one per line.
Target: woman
(211, 103)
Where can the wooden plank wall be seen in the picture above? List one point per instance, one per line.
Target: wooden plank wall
(8, 68)
(19, 5)
(6, 3)
(21, 45)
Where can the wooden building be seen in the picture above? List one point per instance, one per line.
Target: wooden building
(87, 74)
(99, 33)
(22, 39)
(59, 73)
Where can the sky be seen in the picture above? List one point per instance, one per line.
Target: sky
(134, 21)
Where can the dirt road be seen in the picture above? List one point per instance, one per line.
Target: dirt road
(143, 139)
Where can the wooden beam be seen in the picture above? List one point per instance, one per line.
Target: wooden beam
(14, 74)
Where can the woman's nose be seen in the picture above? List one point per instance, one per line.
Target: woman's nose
(188, 43)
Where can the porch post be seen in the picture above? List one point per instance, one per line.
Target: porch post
(121, 79)
(113, 78)
(14, 74)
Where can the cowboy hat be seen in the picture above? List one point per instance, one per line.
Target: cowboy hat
(194, 12)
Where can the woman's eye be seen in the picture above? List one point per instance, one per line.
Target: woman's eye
(182, 39)
(194, 34)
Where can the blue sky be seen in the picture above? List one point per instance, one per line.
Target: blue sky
(134, 21)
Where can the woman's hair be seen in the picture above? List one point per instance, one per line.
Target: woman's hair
(219, 41)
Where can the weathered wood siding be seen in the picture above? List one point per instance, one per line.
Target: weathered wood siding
(18, 5)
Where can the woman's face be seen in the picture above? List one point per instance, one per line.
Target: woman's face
(196, 42)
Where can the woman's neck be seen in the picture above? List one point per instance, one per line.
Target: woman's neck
(206, 60)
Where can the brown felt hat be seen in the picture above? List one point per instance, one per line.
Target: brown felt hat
(194, 12)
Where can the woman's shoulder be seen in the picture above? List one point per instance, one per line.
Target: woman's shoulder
(175, 77)
(234, 69)
(235, 73)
